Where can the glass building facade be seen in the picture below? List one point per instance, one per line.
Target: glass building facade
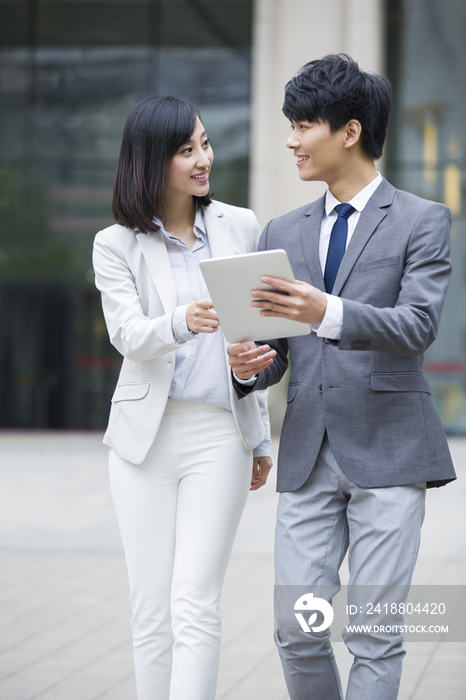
(426, 154)
(70, 72)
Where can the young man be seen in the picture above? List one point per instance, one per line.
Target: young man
(361, 439)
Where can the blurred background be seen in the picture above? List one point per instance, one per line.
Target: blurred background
(70, 72)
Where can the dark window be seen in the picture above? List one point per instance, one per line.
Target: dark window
(426, 155)
(70, 72)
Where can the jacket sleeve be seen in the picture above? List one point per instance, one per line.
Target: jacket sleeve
(412, 324)
(134, 335)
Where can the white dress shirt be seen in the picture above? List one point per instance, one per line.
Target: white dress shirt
(200, 367)
(332, 322)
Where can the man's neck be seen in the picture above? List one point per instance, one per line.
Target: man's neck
(352, 182)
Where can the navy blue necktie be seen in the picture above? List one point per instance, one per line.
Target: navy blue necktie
(337, 245)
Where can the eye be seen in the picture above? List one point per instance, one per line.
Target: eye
(300, 126)
(188, 149)
(206, 143)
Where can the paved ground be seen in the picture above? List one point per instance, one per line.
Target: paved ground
(64, 611)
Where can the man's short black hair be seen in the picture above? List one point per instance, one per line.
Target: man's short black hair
(334, 90)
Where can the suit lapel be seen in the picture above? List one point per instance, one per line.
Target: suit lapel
(221, 244)
(158, 264)
(373, 213)
(310, 233)
(218, 231)
(156, 256)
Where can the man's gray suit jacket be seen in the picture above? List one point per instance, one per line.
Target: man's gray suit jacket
(367, 390)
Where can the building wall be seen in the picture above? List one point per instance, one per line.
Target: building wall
(286, 35)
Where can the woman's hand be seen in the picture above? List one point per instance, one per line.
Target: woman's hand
(201, 317)
(260, 471)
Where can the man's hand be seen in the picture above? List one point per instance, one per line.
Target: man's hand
(302, 302)
(201, 317)
(246, 359)
(260, 471)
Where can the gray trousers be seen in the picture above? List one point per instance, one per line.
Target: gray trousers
(316, 525)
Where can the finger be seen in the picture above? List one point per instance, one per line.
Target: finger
(244, 358)
(269, 295)
(276, 313)
(278, 283)
(257, 484)
(256, 472)
(254, 351)
(207, 329)
(277, 300)
(257, 364)
(246, 371)
(277, 309)
(238, 348)
(205, 303)
(209, 321)
(211, 314)
(261, 481)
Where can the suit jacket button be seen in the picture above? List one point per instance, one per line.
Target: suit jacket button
(320, 388)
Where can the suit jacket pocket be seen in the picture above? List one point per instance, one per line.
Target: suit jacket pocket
(292, 391)
(376, 264)
(131, 392)
(400, 381)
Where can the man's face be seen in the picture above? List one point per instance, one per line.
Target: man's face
(320, 154)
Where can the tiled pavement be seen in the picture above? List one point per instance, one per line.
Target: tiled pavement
(64, 611)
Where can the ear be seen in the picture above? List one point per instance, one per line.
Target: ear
(353, 131)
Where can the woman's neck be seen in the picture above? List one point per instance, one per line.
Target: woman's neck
(179, 219)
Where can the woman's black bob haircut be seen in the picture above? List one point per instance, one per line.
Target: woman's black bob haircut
(154, 131)
(335, 90)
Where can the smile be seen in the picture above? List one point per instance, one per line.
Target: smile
(301, 159)
(203, 177)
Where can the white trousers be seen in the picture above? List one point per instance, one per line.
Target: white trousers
(178, 514)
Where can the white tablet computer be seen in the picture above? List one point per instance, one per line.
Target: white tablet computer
(230, 281)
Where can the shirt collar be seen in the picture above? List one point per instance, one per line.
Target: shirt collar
(359, 201)
(199, 225)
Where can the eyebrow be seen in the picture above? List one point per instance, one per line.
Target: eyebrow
(204, 133)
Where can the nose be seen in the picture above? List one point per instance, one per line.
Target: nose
(292, 140)
(205, 159)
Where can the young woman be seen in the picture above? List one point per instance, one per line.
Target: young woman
(182, 444)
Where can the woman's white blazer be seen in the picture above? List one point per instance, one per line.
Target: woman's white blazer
(134, 275)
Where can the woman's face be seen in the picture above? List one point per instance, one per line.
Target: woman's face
(188, 172)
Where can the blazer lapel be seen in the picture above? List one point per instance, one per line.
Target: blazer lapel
(310, 233)
(156, 257)
(373, 213)
(158, 263)
(218, 231)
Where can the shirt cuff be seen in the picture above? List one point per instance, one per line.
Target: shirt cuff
(332, 323)
(246, 382)
(264, 449)
(181, 332)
